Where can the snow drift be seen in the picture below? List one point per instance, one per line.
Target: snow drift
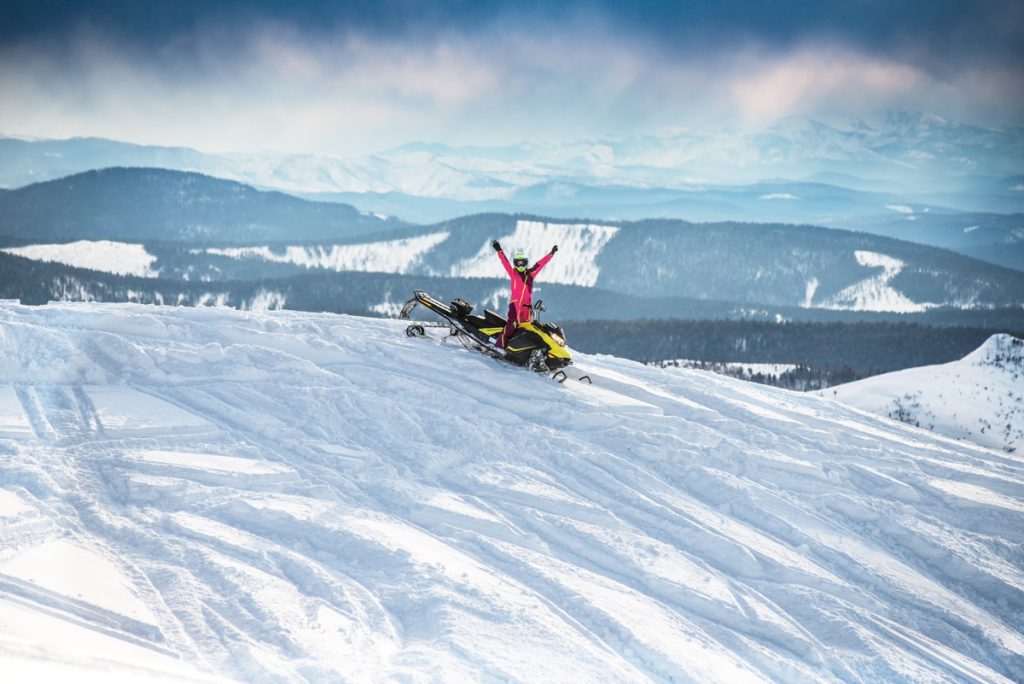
(979, 398)
(310, 496)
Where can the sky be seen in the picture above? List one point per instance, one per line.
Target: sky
(347, 78)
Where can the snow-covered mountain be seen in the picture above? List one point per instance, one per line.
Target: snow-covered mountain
(708, 173)
(308, 497)
(184, 226)
(760, 271)
(867, 152)
(979, 398)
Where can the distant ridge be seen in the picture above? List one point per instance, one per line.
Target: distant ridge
(186, 220)
(161, 204)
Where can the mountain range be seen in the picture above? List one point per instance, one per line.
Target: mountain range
(901, 174)
(186, 226)
(896, 152)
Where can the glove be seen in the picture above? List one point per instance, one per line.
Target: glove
(554, 249)
(496, 245)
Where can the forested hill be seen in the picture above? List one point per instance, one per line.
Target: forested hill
(158, 204)
(189, 223)
(864, 347)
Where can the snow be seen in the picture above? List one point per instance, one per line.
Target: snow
(391, 256)
(812, 287)
(747, 369)
(387, 308)
(222, 464)
(123, 412)
(979, 398)
(37, 646)
(62, 567)
(971, 229)
(288, 496)
(978, 495)
(13, 422)
(875, 293)
(901, 208)
(12, 505)
(266, 300)
(120, 258)
(579, 245)
(219, 299)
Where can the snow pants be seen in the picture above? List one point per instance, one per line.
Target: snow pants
(512, 322)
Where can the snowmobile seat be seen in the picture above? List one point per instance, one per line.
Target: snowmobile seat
(488, 320)
(492, 320)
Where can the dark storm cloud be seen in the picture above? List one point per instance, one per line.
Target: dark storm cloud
(935, 34)
(162, 22)
(981, 28)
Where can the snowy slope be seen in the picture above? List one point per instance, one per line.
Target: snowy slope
(310, 496)
(109, 256)
(581, 242)
(979, 398)
(389, 256)
(874, 293)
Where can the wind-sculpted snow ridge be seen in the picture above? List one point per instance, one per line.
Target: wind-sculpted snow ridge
(978, 398)
(293, 496)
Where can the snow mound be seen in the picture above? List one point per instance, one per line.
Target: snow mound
(288, 496)
(1000, 351)
(979, 398)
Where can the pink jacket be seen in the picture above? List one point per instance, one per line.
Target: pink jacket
(522, 285)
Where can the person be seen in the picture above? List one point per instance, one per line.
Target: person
(522, 275)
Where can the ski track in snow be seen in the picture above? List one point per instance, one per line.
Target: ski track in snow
(309, 496)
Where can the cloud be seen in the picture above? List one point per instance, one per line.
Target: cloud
(278, 89)
(269, 83)
(927, 33)
(818, 78)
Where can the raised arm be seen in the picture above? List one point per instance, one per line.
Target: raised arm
(543, 261)
(504, 259)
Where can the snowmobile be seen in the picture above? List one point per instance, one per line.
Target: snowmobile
(535, 345)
